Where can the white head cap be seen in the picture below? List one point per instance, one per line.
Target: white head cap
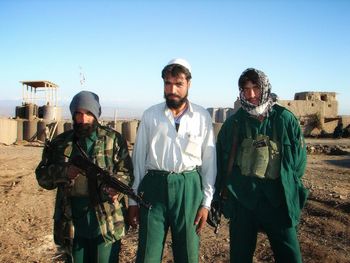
(181, 62)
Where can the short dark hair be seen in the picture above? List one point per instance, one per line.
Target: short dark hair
(174, 70)
(249, 75)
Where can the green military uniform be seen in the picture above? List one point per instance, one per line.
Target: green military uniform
(175, 172)
(89, 231)
(265, 194)
(175, 198)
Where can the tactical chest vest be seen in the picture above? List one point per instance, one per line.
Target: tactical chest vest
(260, 157)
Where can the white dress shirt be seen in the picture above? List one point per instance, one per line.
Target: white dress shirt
(160, 147)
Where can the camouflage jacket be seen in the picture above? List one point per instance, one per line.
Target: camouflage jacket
(110, 152)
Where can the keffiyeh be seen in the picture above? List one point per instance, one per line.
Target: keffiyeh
(265, 104)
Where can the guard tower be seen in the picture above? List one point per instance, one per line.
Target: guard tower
(34, 121)
(39, 90)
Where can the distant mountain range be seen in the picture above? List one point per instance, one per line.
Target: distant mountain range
(8, 109)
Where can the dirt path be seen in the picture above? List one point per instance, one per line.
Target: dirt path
(26, 214)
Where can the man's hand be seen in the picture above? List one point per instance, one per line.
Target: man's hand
(112, 193)
(133, 215)
(73, 172)
(201, 218)
(224, 193)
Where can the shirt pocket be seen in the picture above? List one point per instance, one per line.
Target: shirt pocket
(192, 145)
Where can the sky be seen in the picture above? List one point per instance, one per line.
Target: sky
(121, 46)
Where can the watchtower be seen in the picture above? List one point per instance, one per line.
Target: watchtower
(39, 90)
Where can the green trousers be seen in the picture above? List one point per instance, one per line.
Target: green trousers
(245, 225)
(95, 250)
(175, 199)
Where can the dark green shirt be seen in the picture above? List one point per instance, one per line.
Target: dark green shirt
(83, 214)
(286, 190)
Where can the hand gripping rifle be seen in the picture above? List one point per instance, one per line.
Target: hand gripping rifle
(214, 215)
(93, 170)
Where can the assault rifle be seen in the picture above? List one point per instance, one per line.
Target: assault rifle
(214, 215)
(93, 170)
(216, 208)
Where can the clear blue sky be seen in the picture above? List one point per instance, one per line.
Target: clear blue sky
(122, 46)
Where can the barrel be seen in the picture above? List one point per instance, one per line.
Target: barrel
(29, 111)
(118, 126)
(222, 114)
(129, 130)
(19, 129)
(20, 112)
(29, 130)
(216, 127)
(48, 112)
(42, 130)
(35, 110)
(213, 113)
(229, 113)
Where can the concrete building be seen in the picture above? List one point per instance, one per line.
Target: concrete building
(316, 111)
(309, 103)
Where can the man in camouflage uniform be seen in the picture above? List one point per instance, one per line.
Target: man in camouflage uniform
(88, 218)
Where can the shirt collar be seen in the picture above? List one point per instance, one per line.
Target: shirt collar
(93, 136)
(169, 114)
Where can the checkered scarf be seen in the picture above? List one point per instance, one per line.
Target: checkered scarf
(265, 104)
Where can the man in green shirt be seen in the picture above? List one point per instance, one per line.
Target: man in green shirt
(88, 218)
(261, 158)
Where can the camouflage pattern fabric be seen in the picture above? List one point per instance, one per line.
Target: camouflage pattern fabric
(110, 153)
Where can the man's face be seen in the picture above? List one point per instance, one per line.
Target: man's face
(83, 116)
(252, 93)
(176, 90)
(84, 123)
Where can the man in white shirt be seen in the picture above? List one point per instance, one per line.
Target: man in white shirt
(175, 168)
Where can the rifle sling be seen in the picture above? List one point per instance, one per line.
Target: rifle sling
(232, 155)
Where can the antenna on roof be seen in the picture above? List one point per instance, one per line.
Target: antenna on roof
(82, 77)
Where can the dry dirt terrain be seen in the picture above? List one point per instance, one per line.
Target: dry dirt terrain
(26, 213)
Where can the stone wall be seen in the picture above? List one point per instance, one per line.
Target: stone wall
(310, 95)
(345, 119)
(303, 108)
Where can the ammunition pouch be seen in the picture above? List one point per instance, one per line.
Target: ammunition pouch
(259, 157)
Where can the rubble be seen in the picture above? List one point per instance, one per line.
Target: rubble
(326, 149)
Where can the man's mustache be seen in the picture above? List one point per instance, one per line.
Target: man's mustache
(172, 94)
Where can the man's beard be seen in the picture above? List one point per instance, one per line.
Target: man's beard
(174, 104)
(83, 130)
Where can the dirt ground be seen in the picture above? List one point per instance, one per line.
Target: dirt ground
(26, 213)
